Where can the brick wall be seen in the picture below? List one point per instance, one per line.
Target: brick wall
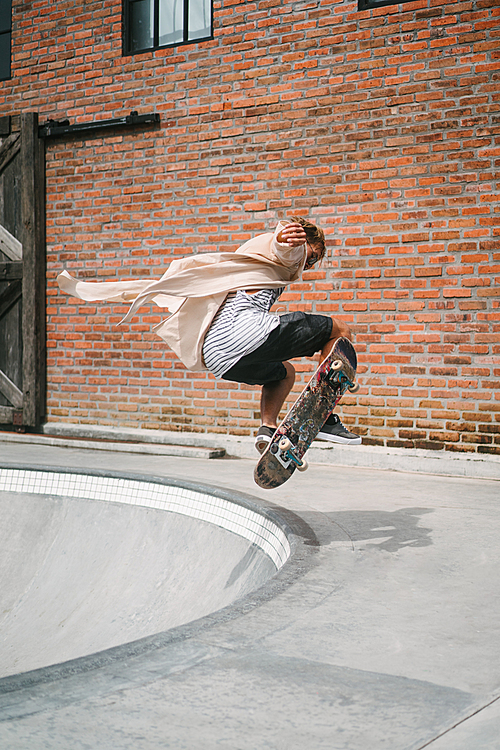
(382, 126)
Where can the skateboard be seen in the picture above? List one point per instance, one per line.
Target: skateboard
(285, 453)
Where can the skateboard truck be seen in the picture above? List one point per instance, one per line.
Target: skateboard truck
(285, 451)
(337, 377)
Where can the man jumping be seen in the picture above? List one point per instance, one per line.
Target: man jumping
(246, 343)
(221, 321)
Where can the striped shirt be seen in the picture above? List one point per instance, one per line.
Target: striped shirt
(242, 324)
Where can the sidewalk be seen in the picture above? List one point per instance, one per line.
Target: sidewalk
(385, 636)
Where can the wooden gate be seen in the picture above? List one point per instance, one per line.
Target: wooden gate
(22, 271)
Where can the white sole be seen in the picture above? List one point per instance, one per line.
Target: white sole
(338, 439)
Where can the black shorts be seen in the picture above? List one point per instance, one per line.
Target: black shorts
(298, 335)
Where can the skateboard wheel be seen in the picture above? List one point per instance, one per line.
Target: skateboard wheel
(354, 388)
(336, 365)
(284, 444)
(303, 466)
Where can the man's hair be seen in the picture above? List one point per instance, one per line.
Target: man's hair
(315, 235)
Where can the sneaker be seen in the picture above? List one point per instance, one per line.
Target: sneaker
(264, 437)
(334, 431)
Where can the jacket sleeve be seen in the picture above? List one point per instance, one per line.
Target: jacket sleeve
(291, 257)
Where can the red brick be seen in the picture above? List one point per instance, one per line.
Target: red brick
(393, 154)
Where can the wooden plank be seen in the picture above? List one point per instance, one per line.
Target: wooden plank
(10, 271)
(9, 245)
(6, 414)
(11, 391)
(10, 296)
(5, 125)
(9, 148)
(32, 165)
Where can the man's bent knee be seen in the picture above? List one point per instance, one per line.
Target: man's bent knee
(339, 328)
(290, 371)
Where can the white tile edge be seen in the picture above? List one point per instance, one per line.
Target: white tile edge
(245, 522)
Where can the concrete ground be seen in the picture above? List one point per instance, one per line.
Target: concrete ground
(382, 632)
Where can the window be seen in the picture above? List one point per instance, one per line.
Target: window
(149, 24)
(5, 34)
(367, 4)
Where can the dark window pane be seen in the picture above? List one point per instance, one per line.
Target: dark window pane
(171, 21)
(200, 19)
(141, 24)
(5, 15)
(4, 56)
(159, 23)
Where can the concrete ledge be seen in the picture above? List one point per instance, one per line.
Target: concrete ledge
(110, 444)
(442, 463)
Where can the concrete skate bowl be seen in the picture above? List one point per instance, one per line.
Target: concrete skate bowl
(90, 562)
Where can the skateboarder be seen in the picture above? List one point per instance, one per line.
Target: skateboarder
(246, 343)
(220, 315)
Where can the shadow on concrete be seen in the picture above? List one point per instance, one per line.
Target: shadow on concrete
(384, 530)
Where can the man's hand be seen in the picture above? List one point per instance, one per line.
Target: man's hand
(293, 234)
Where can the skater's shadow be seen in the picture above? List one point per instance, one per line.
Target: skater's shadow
(385, 530)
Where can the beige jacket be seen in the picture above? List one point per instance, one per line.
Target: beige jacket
(193, 288)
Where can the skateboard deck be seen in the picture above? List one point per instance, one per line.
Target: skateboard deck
(285, 452)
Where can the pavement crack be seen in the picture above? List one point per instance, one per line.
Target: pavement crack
(458, 723)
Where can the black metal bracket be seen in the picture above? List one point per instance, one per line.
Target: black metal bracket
(60, 128)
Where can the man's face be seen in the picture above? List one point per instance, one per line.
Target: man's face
(314, 255)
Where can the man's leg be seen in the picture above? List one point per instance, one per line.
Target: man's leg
(339, 328)
(274, 395)
(272, 399)
(275, 392)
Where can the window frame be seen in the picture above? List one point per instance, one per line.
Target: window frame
(126, 42)
(8, 33)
